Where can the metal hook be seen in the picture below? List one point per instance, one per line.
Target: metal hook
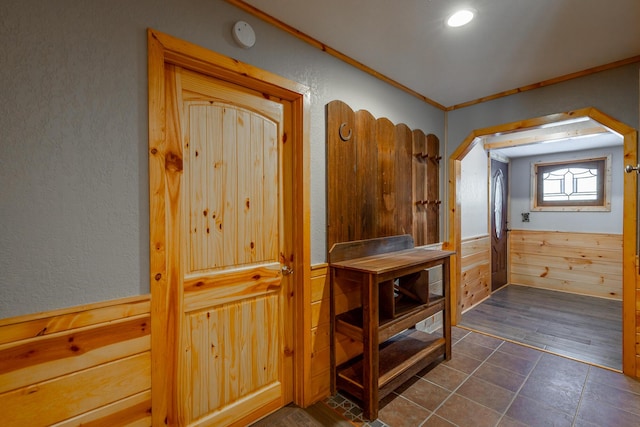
(342, 137)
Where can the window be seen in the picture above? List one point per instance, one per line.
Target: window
(572, 185)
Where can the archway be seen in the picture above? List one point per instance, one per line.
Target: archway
(630, 212)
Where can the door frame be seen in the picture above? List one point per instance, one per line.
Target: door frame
(165, 49)
(629, 225)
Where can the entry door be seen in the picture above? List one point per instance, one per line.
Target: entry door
(499, 196)
(227, 235)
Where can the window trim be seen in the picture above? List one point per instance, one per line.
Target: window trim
(602, 204)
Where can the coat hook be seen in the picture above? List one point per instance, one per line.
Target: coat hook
(342, 137)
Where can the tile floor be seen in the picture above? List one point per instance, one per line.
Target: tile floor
(491, 382)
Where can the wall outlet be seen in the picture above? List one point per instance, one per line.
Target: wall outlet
(525, 216)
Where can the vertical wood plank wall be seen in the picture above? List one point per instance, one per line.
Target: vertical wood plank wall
(475, 267)
(581, 263)
(85, 365)
(382, 179)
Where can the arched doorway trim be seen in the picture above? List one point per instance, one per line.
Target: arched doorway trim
(630, 214)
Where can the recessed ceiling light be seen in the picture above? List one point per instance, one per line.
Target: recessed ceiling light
(460, 18)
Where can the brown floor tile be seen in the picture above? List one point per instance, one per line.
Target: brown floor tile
(555, 393)
(613, 379)
(397, 411)
(464, 412)
(458, 333)
(561, 370)
(510, 422)
(470, 349)
(487, 394)
(424, 393)
(436, 421)
(594, 412)
(521, 351)
(500, 377)
(617, 398)
(483, 340)
(511, 363)
(462, 362)
(446, 377)
(534, 414)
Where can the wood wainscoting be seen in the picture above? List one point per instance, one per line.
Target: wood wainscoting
(84, 365)
(346, 347)
(475, 268)
(580, 263)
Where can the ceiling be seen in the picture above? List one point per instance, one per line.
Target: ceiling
(510, 44)
(559, 137)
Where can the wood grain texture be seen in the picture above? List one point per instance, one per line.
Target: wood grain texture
(39, 324)
(86, 370)
(228, 353)
(65, 397)
(38, 359)
(342, 219)
(378, 158)
(133, 411)
(433, 189)
(419, 187)
(581, 263)
(403, 162)
(385, 181)
(475, 266)
(295, 97)
(380, 315)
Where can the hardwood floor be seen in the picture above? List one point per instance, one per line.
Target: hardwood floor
(584, 328)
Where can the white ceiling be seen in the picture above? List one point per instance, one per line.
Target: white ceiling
(557, 138)
(510, 44)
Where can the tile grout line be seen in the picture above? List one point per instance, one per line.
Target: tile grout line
(584, 386)
(517, 392)
(462, 383)
(431, 413)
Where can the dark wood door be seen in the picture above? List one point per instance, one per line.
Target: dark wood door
(499, 196)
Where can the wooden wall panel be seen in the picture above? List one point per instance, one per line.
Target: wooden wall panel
(364, 193)
(475, 265)
(403, 190)
(320, 333)
(377, 179)
(342, 153)
(433, 189)
(581, 263)
(385, 181)
(83, 365)
(418, 189)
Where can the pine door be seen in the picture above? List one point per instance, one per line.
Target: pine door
(227, 245)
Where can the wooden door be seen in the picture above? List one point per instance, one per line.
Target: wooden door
(499, 196)
(226, 222)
